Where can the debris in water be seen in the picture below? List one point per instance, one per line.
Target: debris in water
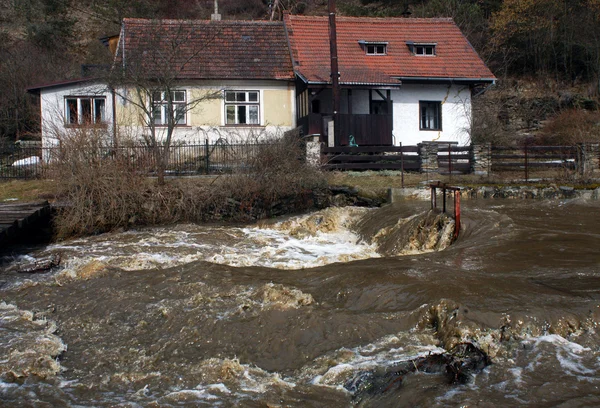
(457, 366)
(42, 265)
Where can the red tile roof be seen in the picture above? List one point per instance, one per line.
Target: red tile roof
(202, 49)
(455, 57)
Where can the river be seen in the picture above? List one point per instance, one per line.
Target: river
(286, 313)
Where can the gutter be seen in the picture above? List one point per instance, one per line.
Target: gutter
(445, 79)
(349, 84)
(485, 89)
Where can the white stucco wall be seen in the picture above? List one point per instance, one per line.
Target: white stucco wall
(456, 113)
(53, 108)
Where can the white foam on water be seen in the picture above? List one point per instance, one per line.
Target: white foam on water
(276, 249)
(187, 394)
(568, 354)
(219, 387)
(386, 352)
(306, 241)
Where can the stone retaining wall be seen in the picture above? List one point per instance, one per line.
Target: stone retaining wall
(506, 192)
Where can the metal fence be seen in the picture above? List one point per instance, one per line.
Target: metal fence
(18, 162)
(26, 161)
(536, 161)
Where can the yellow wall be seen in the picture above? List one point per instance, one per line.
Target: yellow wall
(278, 109)
(207, 112)
(129, 114)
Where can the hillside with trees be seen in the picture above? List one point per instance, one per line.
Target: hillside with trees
(546, 53)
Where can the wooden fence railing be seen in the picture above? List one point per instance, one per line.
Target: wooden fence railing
(404, 158)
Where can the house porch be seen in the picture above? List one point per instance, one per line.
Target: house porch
(365, 115)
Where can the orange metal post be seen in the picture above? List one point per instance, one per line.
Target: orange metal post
(456, 213)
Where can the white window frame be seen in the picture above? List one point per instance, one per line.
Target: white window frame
(376, 49)
(430, 115)
(421, 50)
(160, 105)
(97, 110)
(242, 107)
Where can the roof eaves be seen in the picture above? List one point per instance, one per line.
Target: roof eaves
(38, 88)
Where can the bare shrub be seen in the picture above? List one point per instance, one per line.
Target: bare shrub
(103, 190)
(572, 126)
(100, 191)
(277, 181)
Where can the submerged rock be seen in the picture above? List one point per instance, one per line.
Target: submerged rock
(426, 232)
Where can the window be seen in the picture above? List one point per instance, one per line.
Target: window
(85, 110)
(424, 49)
(376, 49)
(379, 107)
(160, 107)
(242, 108)
(431, 115)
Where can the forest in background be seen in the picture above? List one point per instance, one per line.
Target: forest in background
(545, 52)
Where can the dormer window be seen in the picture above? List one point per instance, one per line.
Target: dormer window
(374, 47)
(421, 49)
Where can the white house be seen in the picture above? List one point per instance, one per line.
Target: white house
(404, 81)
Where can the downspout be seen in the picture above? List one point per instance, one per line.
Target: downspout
(114, 117)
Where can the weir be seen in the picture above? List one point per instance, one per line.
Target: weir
(456, 191)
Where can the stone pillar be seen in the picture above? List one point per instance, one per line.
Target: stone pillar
(313, 150)
(481, 158)
(428, 152)
(589, 158)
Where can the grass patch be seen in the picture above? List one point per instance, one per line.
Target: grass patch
(27, 190)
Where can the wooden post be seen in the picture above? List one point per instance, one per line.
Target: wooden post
(335, 79)
(444, 199)
(450, 161)
(402, 163)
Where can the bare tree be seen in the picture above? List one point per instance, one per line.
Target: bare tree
(156, 59)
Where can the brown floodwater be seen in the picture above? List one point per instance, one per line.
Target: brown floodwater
(287, 313)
